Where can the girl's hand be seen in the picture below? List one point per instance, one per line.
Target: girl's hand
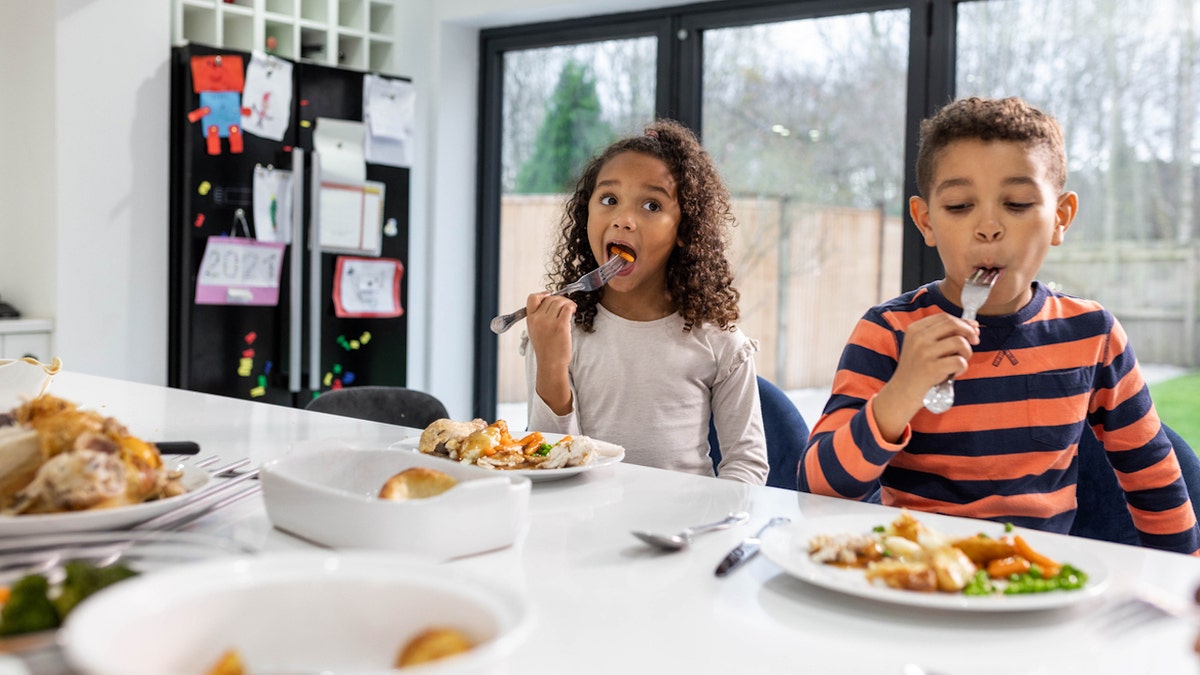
(548, 320)
(935, 348)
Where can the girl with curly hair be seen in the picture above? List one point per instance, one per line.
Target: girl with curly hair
(647, 359)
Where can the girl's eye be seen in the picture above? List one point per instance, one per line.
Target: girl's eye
(652, 206)
(608, 200)
(1019, 206)
(957, 208)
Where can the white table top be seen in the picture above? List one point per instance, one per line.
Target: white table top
(604, 603)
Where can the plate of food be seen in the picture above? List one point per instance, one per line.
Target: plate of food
(65, 469)
(960, 564)
(541, 456)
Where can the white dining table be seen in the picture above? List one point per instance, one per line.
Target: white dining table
(605, 603)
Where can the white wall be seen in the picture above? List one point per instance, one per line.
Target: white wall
(27, 157)
(89, 165)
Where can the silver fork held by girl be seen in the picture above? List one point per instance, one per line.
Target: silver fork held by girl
(588, 282)
(940, 396)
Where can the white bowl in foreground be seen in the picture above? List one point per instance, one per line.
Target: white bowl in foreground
(302, 612)
(330, 496)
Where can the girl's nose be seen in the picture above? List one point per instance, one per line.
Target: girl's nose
(624, 220)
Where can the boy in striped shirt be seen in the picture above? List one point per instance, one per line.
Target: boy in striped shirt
(1034, 368)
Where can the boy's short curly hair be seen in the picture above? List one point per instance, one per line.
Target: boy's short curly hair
(699, 276)
(1006, 119)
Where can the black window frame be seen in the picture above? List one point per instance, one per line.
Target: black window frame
(680, 31)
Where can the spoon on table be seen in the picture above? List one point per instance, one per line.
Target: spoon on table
(674, 542)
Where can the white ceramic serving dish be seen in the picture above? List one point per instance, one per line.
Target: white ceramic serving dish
(310, 611)
(329, 496)
(22, 381)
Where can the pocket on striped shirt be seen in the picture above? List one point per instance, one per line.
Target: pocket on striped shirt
(1056, 405)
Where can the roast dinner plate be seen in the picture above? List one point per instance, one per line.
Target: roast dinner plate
(607, 454)
(105, 519)
(787, 546)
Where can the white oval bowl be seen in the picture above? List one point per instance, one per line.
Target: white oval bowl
(329, 496)
(307, 611)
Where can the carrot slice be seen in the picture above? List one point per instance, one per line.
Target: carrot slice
(1048, 565)
(1002, 568)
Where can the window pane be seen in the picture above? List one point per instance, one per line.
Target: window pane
(805, 120)
(1122, 78)
(561, 106)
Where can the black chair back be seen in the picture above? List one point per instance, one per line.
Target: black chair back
(390, 405)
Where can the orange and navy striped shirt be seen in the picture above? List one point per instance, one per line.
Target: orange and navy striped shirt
(1006, 450)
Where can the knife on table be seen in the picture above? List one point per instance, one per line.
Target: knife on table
(748, 548)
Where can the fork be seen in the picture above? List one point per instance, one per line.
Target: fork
(1144, 606)
(975, 292)
(588, 282)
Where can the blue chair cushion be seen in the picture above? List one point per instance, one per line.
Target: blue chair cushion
(1102, 512)
(786, 433)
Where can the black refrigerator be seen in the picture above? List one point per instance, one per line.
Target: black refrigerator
(286, 339)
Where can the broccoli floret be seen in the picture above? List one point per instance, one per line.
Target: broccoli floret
(28, 608)
(83, 579)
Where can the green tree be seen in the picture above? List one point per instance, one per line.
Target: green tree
(571, 133)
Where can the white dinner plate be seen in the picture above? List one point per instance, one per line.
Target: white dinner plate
(788, 547)
(104, 519)
(607, 454)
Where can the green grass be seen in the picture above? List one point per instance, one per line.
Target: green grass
(1178, 404)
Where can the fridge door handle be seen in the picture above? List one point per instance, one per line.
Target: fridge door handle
(296, 315)
(315, 301)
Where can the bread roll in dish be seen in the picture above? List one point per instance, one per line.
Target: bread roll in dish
(431, 645)
(416, 483)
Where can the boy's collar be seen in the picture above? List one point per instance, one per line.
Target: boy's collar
(1040, 293)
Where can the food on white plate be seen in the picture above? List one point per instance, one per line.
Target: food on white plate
(908, 555)
(417, 482)
(491, 446)
(431, 645)
(229, 663)
(56, 458)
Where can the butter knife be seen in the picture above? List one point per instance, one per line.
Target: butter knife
(748, 548)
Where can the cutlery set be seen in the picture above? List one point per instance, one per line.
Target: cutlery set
(740, 555)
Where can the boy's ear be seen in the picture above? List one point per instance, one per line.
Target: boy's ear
(1064, 215)
(918, 208)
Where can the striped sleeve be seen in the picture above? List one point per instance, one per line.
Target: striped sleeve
(845, 454)
(1123, 417)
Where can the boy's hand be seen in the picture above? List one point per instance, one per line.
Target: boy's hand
(935, 348)
(548, 321)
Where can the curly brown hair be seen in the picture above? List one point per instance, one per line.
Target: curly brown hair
(1006, 119)
(699, 276)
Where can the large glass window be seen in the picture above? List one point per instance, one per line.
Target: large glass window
(805, 120)
(560, 106)
(1123, 78)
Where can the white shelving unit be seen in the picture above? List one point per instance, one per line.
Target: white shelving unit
(350, 33)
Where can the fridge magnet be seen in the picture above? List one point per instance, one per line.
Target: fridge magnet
(239, 271)
(367, 287)
(272, 204)
(267, 96)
